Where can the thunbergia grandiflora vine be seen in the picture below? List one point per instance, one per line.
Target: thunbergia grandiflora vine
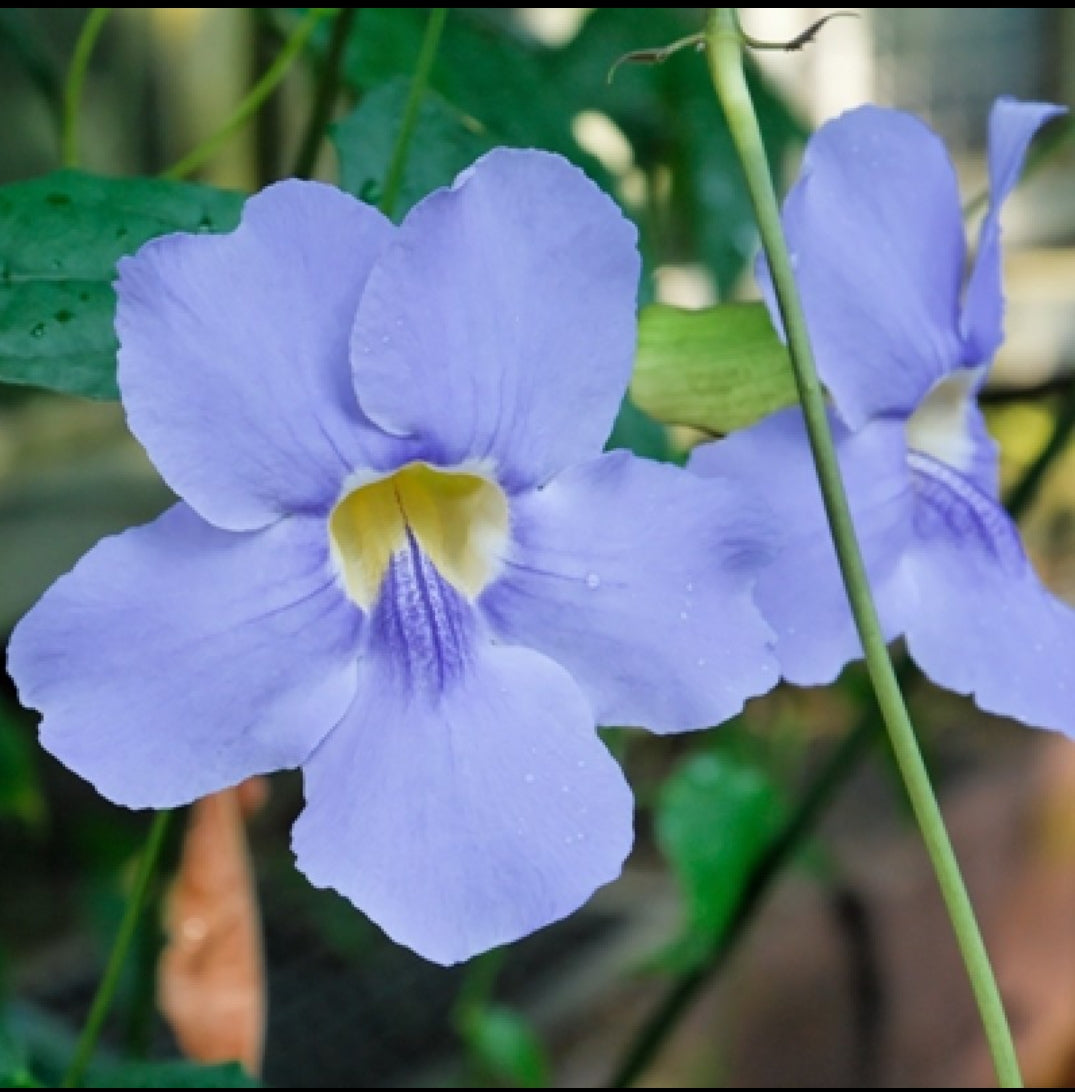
(904, 338)
(400, 560)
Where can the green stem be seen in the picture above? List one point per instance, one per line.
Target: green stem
(327, 89)
(725, 60)
(106, 990)
(76, 78)
(394, 177)
(253, 99)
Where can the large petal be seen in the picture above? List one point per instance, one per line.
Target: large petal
(876, 236)
(802, 593)
(176, 659)
(234, 359)
(637, 577)
(983, 623)
(501, 322)
(467, 819)
(1012, 125)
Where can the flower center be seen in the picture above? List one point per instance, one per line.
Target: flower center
(940, 425)
(459, 519)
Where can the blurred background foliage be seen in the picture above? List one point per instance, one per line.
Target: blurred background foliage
(786, 820)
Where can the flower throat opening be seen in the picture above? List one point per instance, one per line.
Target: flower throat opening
(458, 519)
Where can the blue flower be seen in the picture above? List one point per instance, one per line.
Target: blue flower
(903, 340)
(400, 559)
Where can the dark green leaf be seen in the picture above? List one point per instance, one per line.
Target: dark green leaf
(506, 1047)
(444, 142)
(714, 818)
(60, 237)
(717, 368)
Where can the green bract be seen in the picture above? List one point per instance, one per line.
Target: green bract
(718, 369)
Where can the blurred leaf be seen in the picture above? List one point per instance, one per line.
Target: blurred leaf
(60, 237)
(714, 818)
(505, 1045)
(211, 979)
(170, 1075)
(670, 117)
(444, 142)
(14, 1069)
(20, 791)
(485, 67)
(718, 368)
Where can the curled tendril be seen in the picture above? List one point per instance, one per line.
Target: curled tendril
(656, 56)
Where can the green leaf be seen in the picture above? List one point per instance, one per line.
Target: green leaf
(171, 1075)
(505, 1045)
(718, 368)
(714, 818)
(60, 238)
(445, 141)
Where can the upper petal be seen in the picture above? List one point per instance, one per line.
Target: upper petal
(234, 359)
(637, 578)
(467, 818)
(984, 624)
(1012, 125)
(802, 592)
(501, 321)
(176, 659)
(876, 236)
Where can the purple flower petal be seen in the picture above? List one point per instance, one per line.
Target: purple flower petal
(176, 659)
(875, 230)
(467, 819)
(982, 622)
(802, 593)
(637, 577)
(1012, 125)
(500, 324)
(233, 360)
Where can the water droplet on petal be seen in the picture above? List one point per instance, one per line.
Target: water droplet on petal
(528, 778)
(593, 580)
(682, 615)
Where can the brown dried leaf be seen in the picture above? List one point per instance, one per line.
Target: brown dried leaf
(211, 978)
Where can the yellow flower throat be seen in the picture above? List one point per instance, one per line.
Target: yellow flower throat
(458, 519)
